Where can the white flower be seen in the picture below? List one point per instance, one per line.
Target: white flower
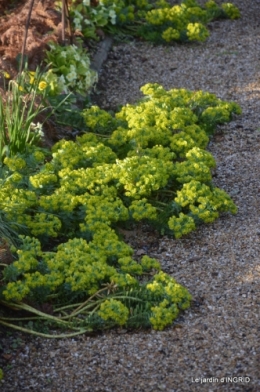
(37, 128)
(86, 3)
(83, 64)
(61, 80)
(71, 76)
(80, 85)
(62, 84)
(88, 22)
(63, 54)
(112, 16)
(77, 24)
(78, 15)
(87, 79)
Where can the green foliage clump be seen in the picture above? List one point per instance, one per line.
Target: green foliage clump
(147, 162)
(157, 21)
(86, 18)
(71, 65)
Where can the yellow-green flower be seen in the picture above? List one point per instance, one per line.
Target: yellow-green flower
(162, 316)
(115, 311)
(32, 77)
(39, 156)
(231, 10)
(42, 85)
(7, 75)
(15, 163)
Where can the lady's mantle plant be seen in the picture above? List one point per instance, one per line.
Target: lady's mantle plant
(148, 162)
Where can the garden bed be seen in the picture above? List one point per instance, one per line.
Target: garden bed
(219, 263)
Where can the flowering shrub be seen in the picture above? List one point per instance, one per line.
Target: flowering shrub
(71, 65)
(155, 21)
(151, 165)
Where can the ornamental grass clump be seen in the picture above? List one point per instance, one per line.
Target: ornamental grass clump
(149, 164)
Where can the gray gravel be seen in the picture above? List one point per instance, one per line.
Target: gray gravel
(215, 345)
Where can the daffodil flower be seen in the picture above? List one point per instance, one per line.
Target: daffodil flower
(42, 85)
(7, 75)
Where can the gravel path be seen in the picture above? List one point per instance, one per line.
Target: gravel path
(215, 345)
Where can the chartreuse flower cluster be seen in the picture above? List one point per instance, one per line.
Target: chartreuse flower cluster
(84, 267)
(164, 299)
(184, 22)
(149, 164)
(152, 153)
(157, 21)
(174, 297)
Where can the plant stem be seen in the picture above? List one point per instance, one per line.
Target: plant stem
(45, 335)
(84, 303)
(25, 34)
(34, 311)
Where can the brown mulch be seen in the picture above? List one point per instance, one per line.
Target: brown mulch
(45, 26)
